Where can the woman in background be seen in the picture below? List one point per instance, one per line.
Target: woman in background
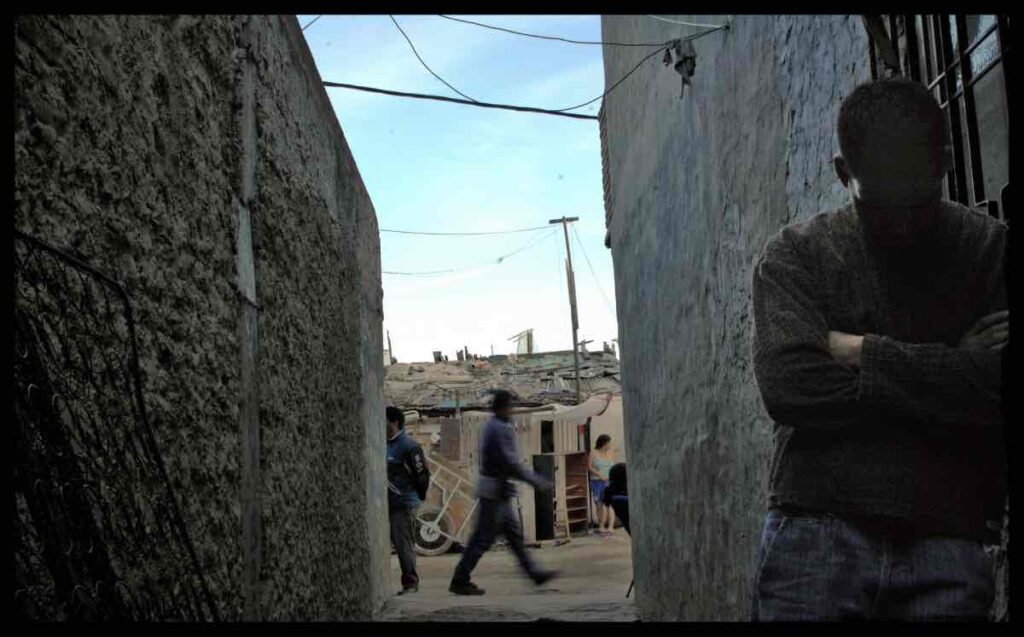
(600, 462)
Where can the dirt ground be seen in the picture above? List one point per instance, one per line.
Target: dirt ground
(595, 573)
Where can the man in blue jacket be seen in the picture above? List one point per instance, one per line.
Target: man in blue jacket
(499, 462)
(408, 481)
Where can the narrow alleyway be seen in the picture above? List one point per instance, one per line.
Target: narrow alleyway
(595, 574)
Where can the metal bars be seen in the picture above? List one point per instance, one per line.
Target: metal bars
(98, 531)
(945, 66)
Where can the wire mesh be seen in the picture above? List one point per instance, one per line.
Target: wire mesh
(98, 534)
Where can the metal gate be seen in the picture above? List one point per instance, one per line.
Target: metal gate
(98, 534)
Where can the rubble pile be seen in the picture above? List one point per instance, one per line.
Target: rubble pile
(533, 379)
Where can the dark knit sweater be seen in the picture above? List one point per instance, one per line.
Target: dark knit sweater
(916, 434)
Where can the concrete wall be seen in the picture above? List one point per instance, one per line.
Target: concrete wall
(199, 162)
(696, 187)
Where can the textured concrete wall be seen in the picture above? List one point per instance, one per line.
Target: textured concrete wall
(696, 187)
(199, 162)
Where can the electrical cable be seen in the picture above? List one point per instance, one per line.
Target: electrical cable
(688, 24)
(528, 109)
(466, 234)
(310, 23)
(425, 65)
(613, 86)
(442, 98)
(593, 273)
(490, 262)
(638, 65)
(563, 112)
(547, 37)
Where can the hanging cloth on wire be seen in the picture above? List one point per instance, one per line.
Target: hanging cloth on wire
(683, 58)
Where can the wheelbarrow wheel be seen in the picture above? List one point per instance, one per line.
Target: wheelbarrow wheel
(433, 533)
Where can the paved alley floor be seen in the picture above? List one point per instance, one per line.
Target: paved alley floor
(595, 573)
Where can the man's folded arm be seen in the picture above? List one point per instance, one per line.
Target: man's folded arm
(932, 382)
(801, 383)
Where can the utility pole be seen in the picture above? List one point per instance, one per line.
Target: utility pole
(565, 221)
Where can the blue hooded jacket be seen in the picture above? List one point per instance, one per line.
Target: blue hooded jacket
(408, 475)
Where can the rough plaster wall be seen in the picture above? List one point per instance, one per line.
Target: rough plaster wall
(698, 186)
(314, 232)
(123, 156)
(128, 154)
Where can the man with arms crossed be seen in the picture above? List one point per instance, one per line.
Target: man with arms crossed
(878, 335)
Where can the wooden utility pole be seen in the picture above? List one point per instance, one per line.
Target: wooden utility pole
(565, 221)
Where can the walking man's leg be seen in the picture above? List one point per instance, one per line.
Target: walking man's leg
(487, 526)
(514, 534)
(403, 525)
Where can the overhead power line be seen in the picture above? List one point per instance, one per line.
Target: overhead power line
(425, 65)
(638, 65)
(547, 111)
(563, 112)
(442, 98)
(689, 24)
(465, 234)
(549, 37)
(613, 86)
(600, 288)
(492, 262)
(310, 23)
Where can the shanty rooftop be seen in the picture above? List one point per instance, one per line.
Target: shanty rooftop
(534, 380)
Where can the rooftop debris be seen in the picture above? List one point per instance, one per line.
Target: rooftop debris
(534, 380)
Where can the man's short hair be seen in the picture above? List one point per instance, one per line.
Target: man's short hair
(502, 400)
(396, 415)
(889, 111)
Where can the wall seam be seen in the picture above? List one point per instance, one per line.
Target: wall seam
(249, 323)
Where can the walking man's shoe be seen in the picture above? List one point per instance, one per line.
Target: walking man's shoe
(414, 588)
(467, 588)
(543, 577)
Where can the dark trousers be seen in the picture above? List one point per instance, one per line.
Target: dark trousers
(826, 569)
(403, 525)
(494, 518)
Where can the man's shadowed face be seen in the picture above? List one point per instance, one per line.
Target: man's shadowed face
(896, 187)
(893, 159)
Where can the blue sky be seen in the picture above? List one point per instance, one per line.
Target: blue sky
(442, 167)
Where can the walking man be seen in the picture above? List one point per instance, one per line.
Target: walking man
(878, 335)
(499, 462)
(408, 481)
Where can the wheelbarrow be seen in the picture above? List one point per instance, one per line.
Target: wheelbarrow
(438, 527)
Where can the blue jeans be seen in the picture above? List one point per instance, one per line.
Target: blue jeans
(827, 569)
